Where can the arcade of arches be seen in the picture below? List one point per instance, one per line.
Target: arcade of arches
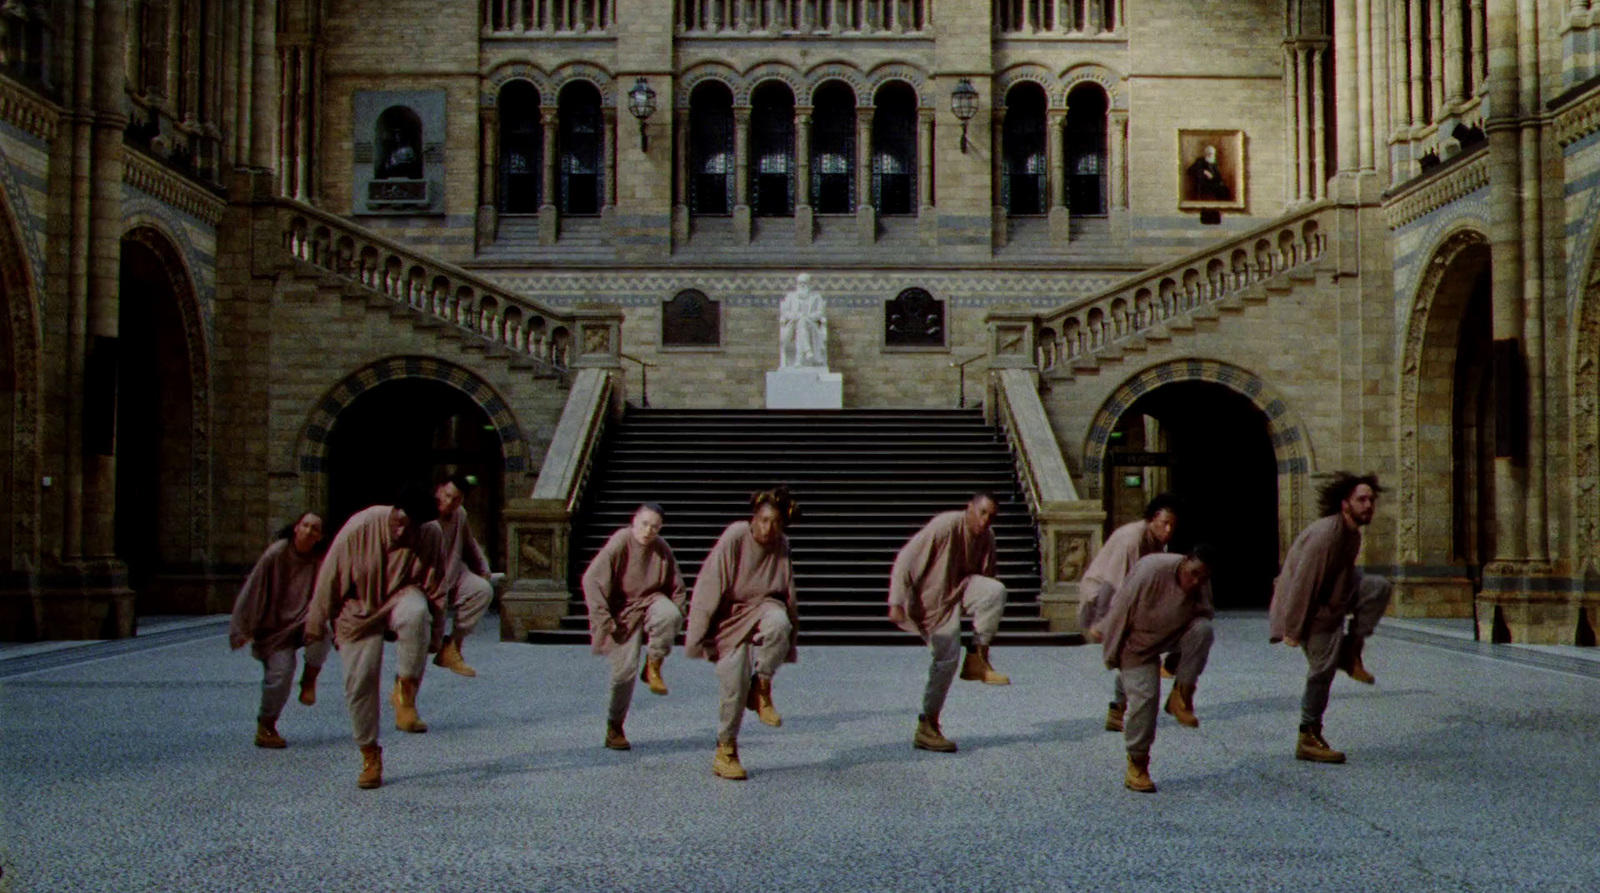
(228, 215)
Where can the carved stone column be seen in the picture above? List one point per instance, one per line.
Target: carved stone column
(866, 214)
(1056, 178)
(741, 174)
(1117, 186)
(997, 147)
(804, 213)
(264, 85)
(488, 175)
(681, 174)
(927, 220)
(549, 217)
(608, 160)
(1319, 143)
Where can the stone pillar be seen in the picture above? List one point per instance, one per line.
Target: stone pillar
(927, 221)
(305, 109)
(488, 175)
(1347, 104)
(1414, 51)
(997, 147)
(1296, 172)
(741, 175)
(866, 214)
(1116, 148)
(1363, 75)
(288, 88)
(1381, 96)
(1480, 57)
(804, 213)
(1454, 87)
(681, 175)
(549, 217)
(608, 158)
(1056, 178)
(264, 86)
(1319, 142)
(244, 125)
(1436, 58)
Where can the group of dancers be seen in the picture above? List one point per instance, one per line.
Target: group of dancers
(401, 572)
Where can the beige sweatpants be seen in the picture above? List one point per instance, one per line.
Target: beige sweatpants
(363, 661)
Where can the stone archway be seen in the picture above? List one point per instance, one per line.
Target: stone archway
(1586, 420)
(322, 438)
(20, 464)
(1431, 521)
(1285, 431)
(163, 518)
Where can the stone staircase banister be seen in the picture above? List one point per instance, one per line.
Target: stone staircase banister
(1070, 528)
(559, 338)
(1164, 292)
(539, 528)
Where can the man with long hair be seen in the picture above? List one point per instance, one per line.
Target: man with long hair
(1323, 603)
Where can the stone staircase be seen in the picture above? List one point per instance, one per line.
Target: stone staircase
(1172, 299)
(866, 481)
(580, 240)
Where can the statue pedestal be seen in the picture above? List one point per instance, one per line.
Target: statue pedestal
(805, 387)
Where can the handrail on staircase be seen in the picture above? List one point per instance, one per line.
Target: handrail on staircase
(1163, 293)
(644, 378)
(560, 339)
(961, 369)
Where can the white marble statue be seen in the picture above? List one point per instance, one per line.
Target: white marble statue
(803, 326)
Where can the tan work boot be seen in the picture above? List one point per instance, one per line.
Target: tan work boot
(449, 657)
(267, 734)
(1138, 775)
(1350, 661)
(1114, 716)
(929, 737)
(651, 676)
(308, 685)
(1314, 748)
(371, 767)
(614, 737)
(404, 700)
(977, 667)
(726, 763)
(760, 700)
(1181, 705)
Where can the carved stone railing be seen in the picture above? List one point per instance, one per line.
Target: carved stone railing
(542, 18)
(539, 528)
(559, 339)
(1069, 527)
(1057, 18)
(1168, 292)
(879, 18)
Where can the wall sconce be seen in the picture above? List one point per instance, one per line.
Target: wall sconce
(964, 102)
(642, 103)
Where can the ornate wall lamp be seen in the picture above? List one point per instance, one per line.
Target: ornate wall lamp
(964, 102)
(642, 103)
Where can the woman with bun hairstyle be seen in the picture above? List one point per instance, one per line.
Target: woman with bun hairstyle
(742, 617)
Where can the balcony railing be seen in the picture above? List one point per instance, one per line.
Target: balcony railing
(820, 17)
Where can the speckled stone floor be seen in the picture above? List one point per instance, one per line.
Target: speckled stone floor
(133, 770)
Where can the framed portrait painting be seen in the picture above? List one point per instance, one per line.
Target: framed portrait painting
(1211, 170)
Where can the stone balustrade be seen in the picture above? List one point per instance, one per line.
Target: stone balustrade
(555, 338)
(1165, 293)
(542, 18)
(823, 17)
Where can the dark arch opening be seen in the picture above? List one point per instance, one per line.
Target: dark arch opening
(154, 436)
(1211, 446)
(1472, 418)
(1022, 189)
(833, 149)
(894, 150)
(411, 431)
(711, 168)
(581, 177)
(521, 148)
(772, 152)
(1086, 150)
(8, 398)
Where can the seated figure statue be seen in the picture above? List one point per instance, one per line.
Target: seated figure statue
(802, 326)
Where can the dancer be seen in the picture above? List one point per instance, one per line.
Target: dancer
(744, 600)
(1317, 589)
(270, 615)
(380, 577)
(1117, 556)
(636, 597)
(1164, 605)
(946, 568)
(465, 570)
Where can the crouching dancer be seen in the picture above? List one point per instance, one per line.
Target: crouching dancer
(744, 601)
(1111, 565)
(1318, 588)
(946, 568)
(380, 577)
(1164, 605)
(464, 571)
(636, 597)
(270, 615)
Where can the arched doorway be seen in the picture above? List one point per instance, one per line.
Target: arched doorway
(412, 430)
(1210, 445)
(8, 427)
(155, 440)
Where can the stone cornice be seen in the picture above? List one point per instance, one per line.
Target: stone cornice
(1435, 193)
(1578, 120)
(23, 109)
(151, 178)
